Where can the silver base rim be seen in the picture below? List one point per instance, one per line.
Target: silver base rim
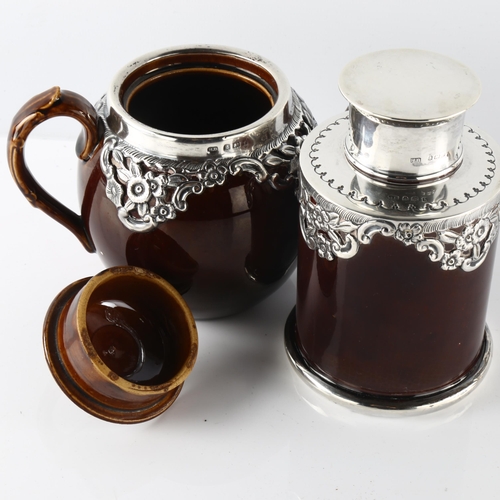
(367, 403)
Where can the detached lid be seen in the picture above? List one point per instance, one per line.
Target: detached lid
(121, 344)
(406, 113)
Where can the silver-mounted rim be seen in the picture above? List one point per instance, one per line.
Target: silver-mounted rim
(150, 173)
(148, 190)
(377, 405)
(228, 143)
(473, 188)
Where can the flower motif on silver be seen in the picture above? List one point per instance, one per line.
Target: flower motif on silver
(452, 260)
(333, 235)
(321, 218)
(213, 174)
(409, 234)
(481, 231)
(465, 241)
(155, 183)
(138, 190)
(326, 232)
(148, 189)
(161, 213)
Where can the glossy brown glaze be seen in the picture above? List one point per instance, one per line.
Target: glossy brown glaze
(236, 242)
(51, 103)
(121, 344)
(389, 321)
(235, 245)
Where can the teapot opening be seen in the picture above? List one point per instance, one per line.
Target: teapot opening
(199, 95)
(198, 101)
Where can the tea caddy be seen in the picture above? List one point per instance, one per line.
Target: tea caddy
(399, 213)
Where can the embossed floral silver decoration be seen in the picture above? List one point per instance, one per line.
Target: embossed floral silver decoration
(137, 196)
(148, 190)
(213, 174)
(333, 236)
(409, 234)
(452, 260)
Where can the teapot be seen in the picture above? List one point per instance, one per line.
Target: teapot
(187, 168)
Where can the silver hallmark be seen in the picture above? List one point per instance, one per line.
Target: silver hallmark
(149, 189)
(395, 199)
(340, 233)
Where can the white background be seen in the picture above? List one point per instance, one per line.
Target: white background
(244, 425)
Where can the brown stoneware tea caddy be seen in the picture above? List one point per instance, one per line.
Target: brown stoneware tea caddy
(399, 214)
(187, 168)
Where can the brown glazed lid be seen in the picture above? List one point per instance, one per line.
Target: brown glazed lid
(121, 344)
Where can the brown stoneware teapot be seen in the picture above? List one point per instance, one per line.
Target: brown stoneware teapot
(187, 168)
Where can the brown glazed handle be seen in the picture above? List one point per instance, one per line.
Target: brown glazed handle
(48, 104)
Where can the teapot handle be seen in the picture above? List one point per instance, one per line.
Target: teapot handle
(51, 103)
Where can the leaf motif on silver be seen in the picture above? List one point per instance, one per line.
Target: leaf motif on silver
(148, 190)
(333, 236)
